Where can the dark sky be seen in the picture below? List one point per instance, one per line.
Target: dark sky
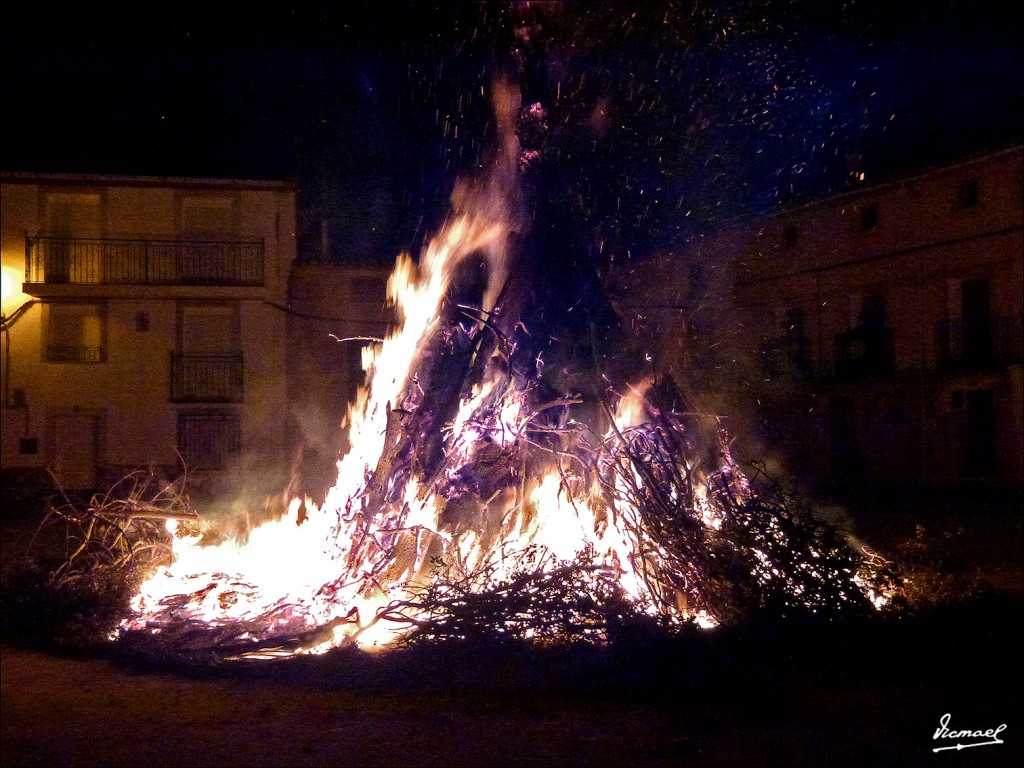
(662, 115)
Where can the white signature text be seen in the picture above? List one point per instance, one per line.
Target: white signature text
(945, 732)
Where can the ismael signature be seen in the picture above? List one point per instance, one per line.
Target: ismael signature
(945, 732)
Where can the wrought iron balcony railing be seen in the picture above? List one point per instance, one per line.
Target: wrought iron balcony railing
(104, 261)
(206, 378)
(73, 353)
(968, 343)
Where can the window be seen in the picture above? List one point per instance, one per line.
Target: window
(208, 368)
(872, 311)
(208, 440)
(74, 222)
(208, 217)
(74, 214)
(868, 218)
(208, 329)
(75, 333)
(785, 355)
(204, 220)
(867, 348)
(967, 195)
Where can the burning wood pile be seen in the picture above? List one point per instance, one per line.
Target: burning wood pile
(480, 500)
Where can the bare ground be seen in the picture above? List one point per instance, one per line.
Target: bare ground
(871, 698)
(771, 695)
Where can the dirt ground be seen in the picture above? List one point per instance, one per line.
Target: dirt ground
(873, 701)
(863, 694)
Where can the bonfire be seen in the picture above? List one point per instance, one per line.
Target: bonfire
(478, 499)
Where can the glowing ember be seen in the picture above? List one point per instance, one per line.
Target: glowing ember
(463, 476)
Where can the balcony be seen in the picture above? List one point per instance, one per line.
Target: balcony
(972, 343)
(206, 378)
(104, 261)
(865, 352)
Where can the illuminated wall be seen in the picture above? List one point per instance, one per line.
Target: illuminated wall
(99, 393)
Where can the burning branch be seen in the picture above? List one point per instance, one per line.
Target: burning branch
(722, 548)
(576, 601)
(121, 529)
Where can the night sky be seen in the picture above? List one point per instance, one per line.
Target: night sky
(662, 117)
